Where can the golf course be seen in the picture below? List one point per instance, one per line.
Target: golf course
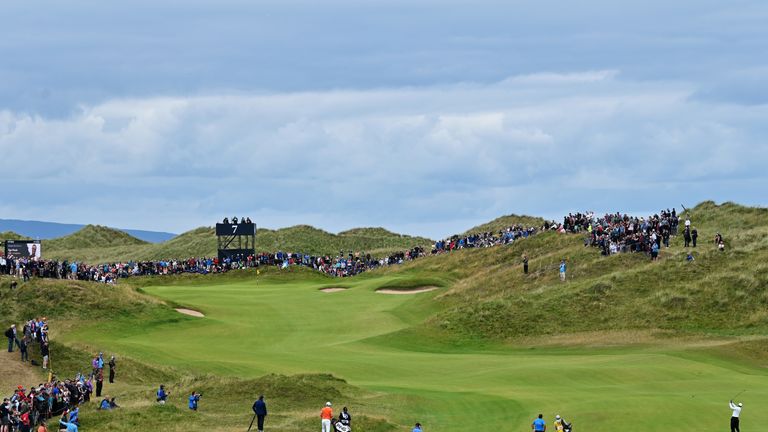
(253, 328)
(455, 341)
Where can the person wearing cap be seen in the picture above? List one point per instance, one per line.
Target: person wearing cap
(735, 416)
(260, 409)
(417, 428)
(558, 423)
(326, 414)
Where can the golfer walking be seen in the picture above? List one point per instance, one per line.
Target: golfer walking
(539, 425)
(735, 416)
(326, 414)
(260, 409)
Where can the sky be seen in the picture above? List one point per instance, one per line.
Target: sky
(425, 117)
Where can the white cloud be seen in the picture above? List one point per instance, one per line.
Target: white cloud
(397, 157)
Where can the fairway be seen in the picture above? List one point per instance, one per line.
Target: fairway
(256, 327)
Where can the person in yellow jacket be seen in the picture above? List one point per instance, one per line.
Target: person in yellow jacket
(558, 424)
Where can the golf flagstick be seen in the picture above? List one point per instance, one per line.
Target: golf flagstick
(254, 418)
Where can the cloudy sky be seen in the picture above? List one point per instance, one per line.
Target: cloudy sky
(425, 117)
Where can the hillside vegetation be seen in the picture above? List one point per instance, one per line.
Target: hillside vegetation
(504, 222)
(718, 293)
(10, 235)
(624, 336)
(98, 244)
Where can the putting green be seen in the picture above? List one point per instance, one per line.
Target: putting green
(255, 327)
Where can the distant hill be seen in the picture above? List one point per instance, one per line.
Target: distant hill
(10, 235)
(50, 230)
(503, 222)
(92, 236)
(97, 244)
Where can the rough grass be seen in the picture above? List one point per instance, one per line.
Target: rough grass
(624, 338)
(105, 244)
(10, 235)
(718, 293)
(504, 222)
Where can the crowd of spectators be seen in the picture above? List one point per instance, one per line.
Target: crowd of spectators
(26, 409)
(611, 233)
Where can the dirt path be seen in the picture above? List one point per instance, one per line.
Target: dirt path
(13, 372)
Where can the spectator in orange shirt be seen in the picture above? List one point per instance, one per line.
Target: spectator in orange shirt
(326, 414)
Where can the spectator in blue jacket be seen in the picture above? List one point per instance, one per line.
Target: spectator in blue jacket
(260, 409)
(193, 400)
(161, 395)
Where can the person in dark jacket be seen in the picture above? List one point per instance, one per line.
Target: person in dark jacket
(694, 236)
(10, 333)
(260, 409)
(345, 418)
(112, 365)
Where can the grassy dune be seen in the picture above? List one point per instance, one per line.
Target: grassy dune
(99, 244)
(623, 344)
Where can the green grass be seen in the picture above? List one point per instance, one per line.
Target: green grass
(10, 235)
(405, 372)
(624, 344)
(507, 221)
(100, 244)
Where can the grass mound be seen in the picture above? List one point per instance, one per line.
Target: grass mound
(99, 244)
(10, 235)
(507, 221)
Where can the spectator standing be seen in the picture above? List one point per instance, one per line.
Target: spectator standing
(417, 428)
(525, 263)
(23, 347)
(694, 236)
(44, 352)
(260, 409)
(326, 414)
(99, 381)
(562, 270)
(162, 396)
(112, 365)
(687, 236)
(194, 398)
(10, 333)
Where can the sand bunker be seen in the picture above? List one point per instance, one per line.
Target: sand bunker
(190, 312)
(332, 290)
(416, 290)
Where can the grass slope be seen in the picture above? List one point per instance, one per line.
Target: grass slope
(624, 340)
(504, 222)
(91, 236)
(281, 323)
(202, 242)
(10, 235)
(720, 292)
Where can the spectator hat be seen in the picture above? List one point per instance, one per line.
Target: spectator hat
(328, 403)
